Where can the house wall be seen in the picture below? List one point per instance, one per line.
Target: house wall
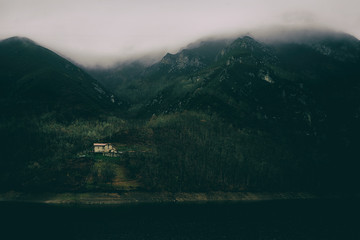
(99, 148)
(102, 149)
(108, 147)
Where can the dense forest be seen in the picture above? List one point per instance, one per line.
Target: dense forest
(188, 151)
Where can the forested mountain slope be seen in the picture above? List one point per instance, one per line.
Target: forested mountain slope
(41, 96)
(35, 80)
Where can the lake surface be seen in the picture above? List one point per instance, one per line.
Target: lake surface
(300, 219)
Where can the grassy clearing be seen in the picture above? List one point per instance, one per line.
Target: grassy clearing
(132, 148)
(110, 174)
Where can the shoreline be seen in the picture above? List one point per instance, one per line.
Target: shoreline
(94, 199)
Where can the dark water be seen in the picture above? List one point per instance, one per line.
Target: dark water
(306, 219)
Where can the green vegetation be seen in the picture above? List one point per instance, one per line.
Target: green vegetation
(199, 152)
(205, 119)
(188, 151)
(46, 154)
(36, 81)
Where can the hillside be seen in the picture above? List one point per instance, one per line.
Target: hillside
(50, 111)
(35, 80)
(137, 83)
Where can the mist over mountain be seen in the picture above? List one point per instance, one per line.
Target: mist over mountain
(205, 56)
(180, 119)
(301, 88)
(229, 114)
(102, 33)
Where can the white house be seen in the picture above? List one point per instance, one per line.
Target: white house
(103, 148)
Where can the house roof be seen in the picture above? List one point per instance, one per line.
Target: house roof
(100, 144)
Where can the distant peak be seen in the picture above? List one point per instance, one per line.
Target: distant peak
(302, 35)
(245, 42)
(17, 39)
(248, 38)
(245, 39)
(168, 55)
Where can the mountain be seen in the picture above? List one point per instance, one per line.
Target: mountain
(137, 83)
(219, 115)
(253, 82)
(306, 85)
(35, 80)
(50, 111)
(194, 58)
(122, 79)
(303, 94)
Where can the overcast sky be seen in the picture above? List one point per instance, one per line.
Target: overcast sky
(102, 31)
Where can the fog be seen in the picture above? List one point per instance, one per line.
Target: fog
(103, 32)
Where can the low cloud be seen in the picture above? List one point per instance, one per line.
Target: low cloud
(299, 17)
(94, 32)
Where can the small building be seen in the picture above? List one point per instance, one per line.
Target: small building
(103, 148)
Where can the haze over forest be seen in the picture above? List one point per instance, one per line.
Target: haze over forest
(102, 33)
